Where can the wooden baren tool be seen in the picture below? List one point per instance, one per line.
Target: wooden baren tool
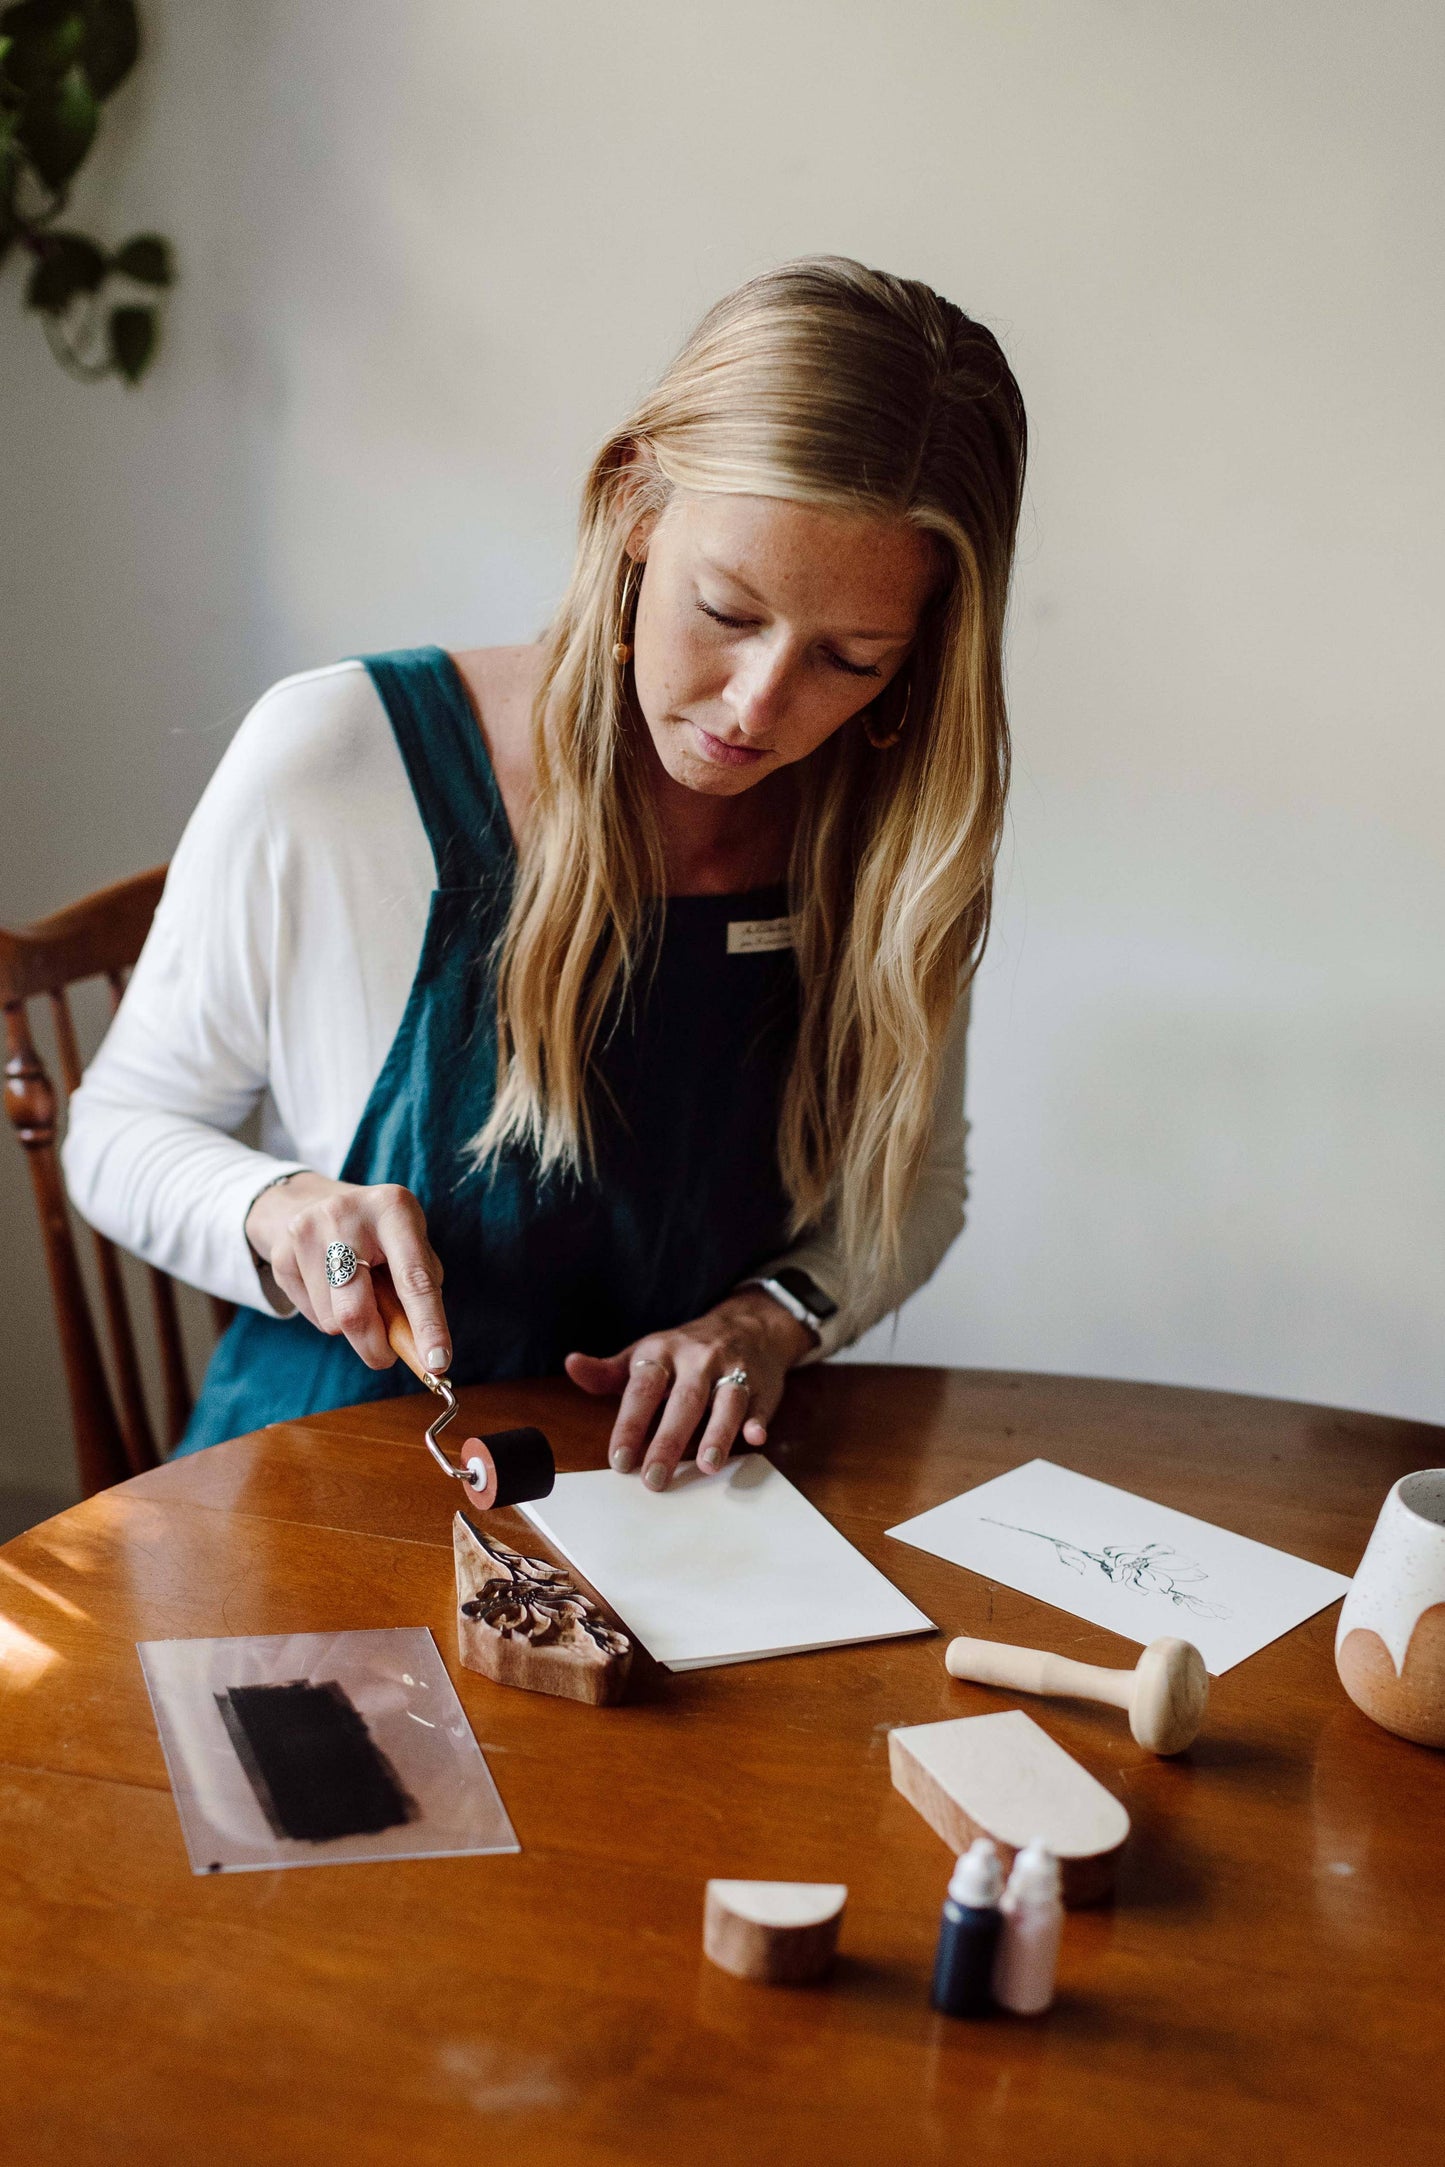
(504, 1467)
(1002, 1777)
(1165, 1694)
(522, 1622)
(781, 1932)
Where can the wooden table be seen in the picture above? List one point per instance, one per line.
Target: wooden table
(1268, 1985)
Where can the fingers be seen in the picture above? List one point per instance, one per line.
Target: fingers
(729, 1406)
(686, 1406)
(597, 1373)
(380, 1225)
(737, 1411)
(762, 1406)
(649, 1381)
(742, 1411)
(309, 1234)
(288, 1276)
(416, 1274)
(674, 1385)
(355, 1316)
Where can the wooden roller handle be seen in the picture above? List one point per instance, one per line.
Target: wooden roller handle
(1032, 1670)
(398, 1329)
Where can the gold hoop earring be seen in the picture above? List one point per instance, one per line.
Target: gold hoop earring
(881, 742)
(622, 646)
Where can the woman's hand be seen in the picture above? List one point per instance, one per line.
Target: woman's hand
(675, 1372)
(294, 1223)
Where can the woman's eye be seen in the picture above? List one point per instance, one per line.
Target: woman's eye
(718, 618)
(741, 624)
(856, 669)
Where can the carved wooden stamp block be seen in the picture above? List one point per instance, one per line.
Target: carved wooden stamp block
(522, 1622)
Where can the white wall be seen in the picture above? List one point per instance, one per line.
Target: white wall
(431, 252)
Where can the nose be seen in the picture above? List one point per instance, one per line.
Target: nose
(757, 692)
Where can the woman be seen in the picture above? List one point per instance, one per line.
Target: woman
(611, 992)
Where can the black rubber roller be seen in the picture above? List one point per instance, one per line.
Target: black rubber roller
(508, 1467)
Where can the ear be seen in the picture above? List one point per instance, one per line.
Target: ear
(642, 493)
(639, 538)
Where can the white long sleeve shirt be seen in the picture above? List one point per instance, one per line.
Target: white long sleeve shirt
(275, 976)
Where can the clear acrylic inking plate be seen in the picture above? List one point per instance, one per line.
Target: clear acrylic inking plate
(365, 1735)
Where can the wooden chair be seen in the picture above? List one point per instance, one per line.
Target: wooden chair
(99, 937)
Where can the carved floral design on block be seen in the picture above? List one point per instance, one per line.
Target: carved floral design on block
(525, 1622)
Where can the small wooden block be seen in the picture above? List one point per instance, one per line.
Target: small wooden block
(781, 1932)
(1001, 1776)
(522, 1622)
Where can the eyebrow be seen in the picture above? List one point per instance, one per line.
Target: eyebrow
(725, 571)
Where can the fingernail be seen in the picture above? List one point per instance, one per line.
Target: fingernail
(656, 1476)
(438, 1358)
(710, 1459)
(623, 1460)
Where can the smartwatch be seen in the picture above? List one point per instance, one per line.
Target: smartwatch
(801, 1296)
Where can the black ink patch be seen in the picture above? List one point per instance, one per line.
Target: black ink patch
(314, 1766)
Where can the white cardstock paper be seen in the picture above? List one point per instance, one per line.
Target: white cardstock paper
(720, 1568)
(1141, 1569)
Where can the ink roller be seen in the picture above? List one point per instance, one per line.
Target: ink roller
(505, 1467)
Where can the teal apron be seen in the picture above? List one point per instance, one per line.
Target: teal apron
(686, 1199)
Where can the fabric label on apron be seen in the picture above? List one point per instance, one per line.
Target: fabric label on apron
(751, 936)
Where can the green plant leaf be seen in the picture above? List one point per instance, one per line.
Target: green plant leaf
(112, 41)
(68, 264)
(145, 257)
(46, 38)
(132, 341)
(58, 127)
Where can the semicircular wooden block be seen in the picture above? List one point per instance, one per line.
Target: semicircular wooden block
(1001, 1776)
(781, 1932)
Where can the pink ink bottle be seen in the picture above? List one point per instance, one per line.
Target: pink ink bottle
(1027, 1958)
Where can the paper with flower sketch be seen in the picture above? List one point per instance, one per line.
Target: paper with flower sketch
(1141, 1569)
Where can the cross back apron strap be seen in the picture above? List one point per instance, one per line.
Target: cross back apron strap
(684, 1198)
(445, 756)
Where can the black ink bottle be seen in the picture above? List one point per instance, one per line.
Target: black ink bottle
(968, 1936)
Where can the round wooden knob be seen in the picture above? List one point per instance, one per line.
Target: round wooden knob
(1171, 1693)
(1165, 1694)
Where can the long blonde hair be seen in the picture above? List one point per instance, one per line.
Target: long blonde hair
(837, 386)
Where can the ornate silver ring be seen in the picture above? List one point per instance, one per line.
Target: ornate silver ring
(734, 1376)
(342, 1264)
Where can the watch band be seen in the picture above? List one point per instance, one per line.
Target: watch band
(789, 1301)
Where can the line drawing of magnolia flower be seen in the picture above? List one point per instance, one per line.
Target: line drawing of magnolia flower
(1148, 1570)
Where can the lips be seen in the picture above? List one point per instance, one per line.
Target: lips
(714, 748)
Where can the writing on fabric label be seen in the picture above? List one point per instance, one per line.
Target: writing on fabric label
(751, 936)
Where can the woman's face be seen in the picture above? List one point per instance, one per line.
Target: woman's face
(763, 626)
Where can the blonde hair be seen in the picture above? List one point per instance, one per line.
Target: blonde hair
(832, 385)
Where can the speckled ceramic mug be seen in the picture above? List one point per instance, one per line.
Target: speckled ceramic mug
(1390, 1644)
